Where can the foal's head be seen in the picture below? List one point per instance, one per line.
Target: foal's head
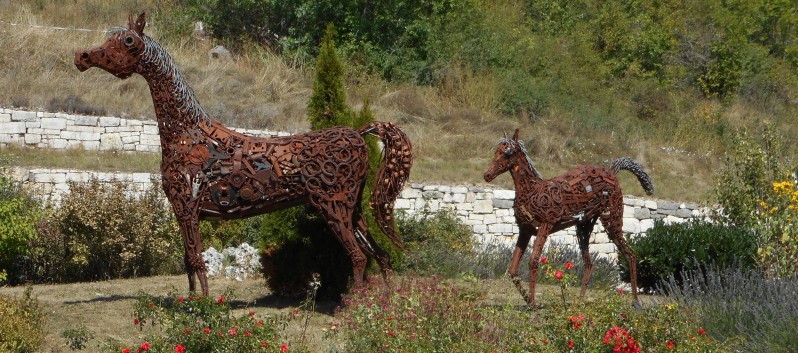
(120, 53)
(507, 153)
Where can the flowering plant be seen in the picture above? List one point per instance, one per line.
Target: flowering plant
(195, 323)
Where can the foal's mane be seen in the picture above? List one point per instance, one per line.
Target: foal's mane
(526, 154)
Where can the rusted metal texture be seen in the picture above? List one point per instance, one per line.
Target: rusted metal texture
(578, 198)
(210, 171)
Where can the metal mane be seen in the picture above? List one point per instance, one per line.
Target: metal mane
(526, 154)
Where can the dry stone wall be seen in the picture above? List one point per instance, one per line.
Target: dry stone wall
(92, 133)
(488, 211)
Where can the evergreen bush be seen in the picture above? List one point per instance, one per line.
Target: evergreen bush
(667, 250)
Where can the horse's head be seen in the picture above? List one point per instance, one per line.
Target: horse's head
(121, 52)
(506, 157)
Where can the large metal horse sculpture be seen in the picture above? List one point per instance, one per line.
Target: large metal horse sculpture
(578, 198)
(210, 171)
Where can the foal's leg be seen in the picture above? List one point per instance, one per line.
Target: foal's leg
(614, 225)
(525, 232)
(534, 260)
(583, 231)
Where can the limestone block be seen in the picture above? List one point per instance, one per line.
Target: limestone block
(684, 213)
(465, 206)
(432, 195)
(504, 194)
(489, 218)
(444, 188)
(410, 193)
(32, 139)
(108, 121)
(505, 204)
(642, 213)
(4, 118)
(84, 120)
(459, 189)
(402, 204)
(605, 248)
(500, 228)
(631, 225)
(479, 228)
(458, 198)
(14, 127)
(110, 142)
(646, 224)
(600, 238)
(90, 145)
(130, 139)
(650, 204)
(628, 211)
(21, 115)
(88, 136)
(33, 124)
(45, 177)
(150, 130)
(429, 187)
(483, 206)
(57, 143)
(667, 205)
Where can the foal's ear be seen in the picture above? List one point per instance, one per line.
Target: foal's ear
(138, 25)
(515, 135)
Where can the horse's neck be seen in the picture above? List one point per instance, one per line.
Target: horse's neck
(176, 106)
(524, 173)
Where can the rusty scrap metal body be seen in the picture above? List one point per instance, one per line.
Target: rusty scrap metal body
(210, 171)
(580, 197)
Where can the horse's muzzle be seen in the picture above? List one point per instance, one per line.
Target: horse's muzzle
(82, 60)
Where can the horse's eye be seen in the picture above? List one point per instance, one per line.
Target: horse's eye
(509, 152)
(129, 40)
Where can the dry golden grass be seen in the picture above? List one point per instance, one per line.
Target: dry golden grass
(454, 126)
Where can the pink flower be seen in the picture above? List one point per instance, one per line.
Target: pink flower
(251, 313)
(247, 333)
(558, 275)
(543, 260)
(569, 265)
(180, 349)
(620, 291)
(233, 331)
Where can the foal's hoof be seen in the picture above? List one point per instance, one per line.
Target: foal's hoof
(637, 305)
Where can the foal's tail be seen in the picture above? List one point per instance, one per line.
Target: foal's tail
(393, 172)
(636, 169)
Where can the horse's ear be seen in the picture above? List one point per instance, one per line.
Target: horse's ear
(138, 26)
(515, 135)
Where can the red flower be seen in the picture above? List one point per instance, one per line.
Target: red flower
(251, 313)
(259, 323)
(701, 331)
(390, 333)
(144, 347)
(620, 291)
(180, 349)
(669, 345)
(136, 321)
(126, 350)
(284, 348)
(558, 275)
(207, 330)
(181, 299)
(569, 265)
(247, 333)
(264, 344)
(543, 260)
(221, 300)
(233, 331)
(570, 344)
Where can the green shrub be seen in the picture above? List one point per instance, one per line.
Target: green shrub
(21, 326)
(77, 337)
(200, 324)
(19, 212)
(101, 231)
(667, 250)
(436, 243)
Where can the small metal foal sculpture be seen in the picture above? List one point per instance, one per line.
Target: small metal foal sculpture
(210, 171)
(578, 198)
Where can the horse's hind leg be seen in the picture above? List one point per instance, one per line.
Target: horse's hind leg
(583, 231)
(369, 246)
(339, 218)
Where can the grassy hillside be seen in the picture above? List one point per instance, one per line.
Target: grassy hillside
(585, 83)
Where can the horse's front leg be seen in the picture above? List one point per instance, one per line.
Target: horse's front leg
(534, 260)
(187, 213)
(525, 232)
